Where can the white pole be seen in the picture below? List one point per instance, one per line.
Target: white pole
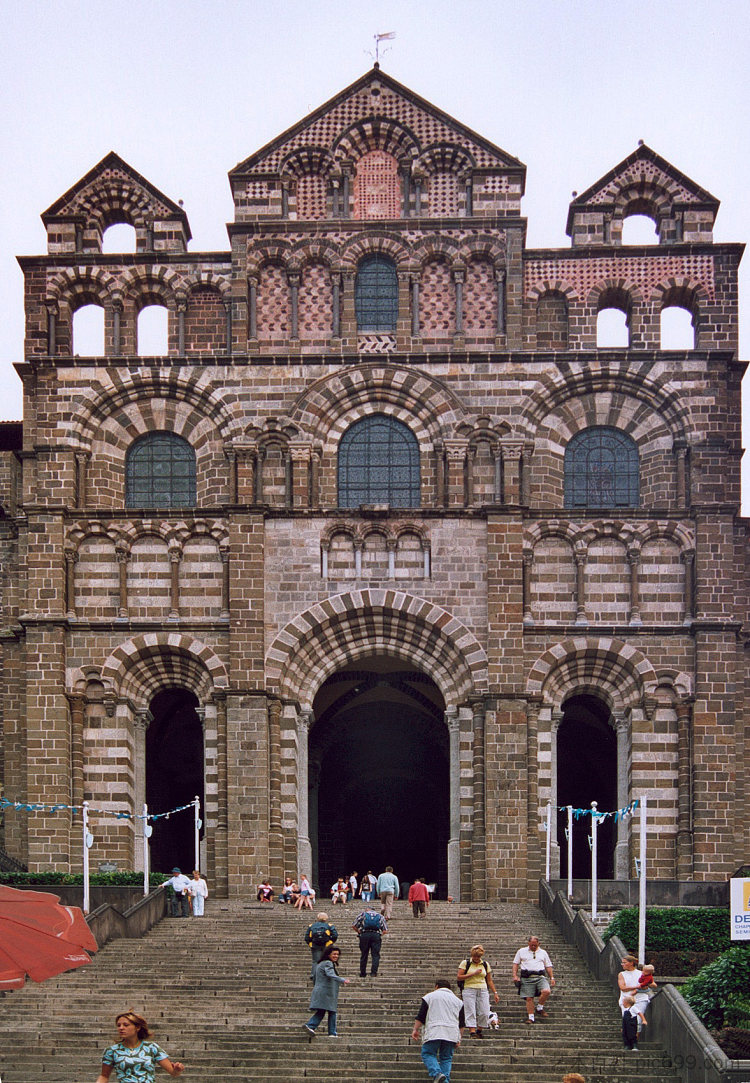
(570, 851)
(549, 841)
(197, 820)
(642, 888)
(594, 870)
(86, 890)
(146, 854)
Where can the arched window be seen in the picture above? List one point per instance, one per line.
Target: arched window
(88, 331)
(601, 469)
(160, 472)
(376, 294)
(379, 464)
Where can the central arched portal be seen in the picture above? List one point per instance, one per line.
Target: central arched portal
(379, 774)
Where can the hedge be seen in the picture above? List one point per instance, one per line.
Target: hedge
(674, 928)
(718, 994)
(98, 879)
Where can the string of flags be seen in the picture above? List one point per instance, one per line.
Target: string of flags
(23, 806)
(618, 814)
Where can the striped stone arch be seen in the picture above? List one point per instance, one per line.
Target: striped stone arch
(375, 242)
(261, 254)
(142, 666)
(445, 157)
(551, 285)
(607, 667)
(614, 287)
(77, 286)
(433, 247)
(108, 201)
(315, 251)
(348, 627)
(307, 161)
(337, 527)
(682, 290)
(606, 528)
(682, 536)
(375, 133)
(649, 197)
(93, 528)
(190, 386)
(556, 387)
(207, 279)
(161, 282)
(329, 406)
(551, 528)
(483, 246)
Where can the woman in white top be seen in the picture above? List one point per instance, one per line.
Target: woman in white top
(628, 978)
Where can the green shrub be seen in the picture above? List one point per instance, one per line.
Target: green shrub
(674, 928)
(98, 879)
(719, 989)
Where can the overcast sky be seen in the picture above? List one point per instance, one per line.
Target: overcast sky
(183, 90)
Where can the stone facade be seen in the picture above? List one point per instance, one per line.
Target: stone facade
(496, 643)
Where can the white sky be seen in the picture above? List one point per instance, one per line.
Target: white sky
(183, 90)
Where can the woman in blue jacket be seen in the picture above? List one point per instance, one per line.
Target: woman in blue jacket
(325, 994)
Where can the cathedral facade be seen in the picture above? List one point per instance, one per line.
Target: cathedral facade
(387, 547)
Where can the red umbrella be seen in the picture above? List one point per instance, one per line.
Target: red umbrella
(39, 937)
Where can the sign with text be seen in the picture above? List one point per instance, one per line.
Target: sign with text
(739, 906)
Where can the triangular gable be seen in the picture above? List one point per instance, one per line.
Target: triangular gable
(429, 126)
(113, 167)
(644, 164)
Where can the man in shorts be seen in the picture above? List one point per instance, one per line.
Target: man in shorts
(533, 977)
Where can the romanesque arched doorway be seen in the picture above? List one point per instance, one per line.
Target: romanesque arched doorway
(379, 774)
(586, 772)
(174, 775)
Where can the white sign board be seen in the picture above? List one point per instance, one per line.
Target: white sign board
(739, 906)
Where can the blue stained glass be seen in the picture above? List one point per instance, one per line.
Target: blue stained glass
(160, 472)
(601, 469)
(378, 463)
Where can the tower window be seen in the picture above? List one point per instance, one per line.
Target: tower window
(379, 464)
(601, 469)
(160, 472)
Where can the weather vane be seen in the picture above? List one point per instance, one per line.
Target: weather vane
(382, 37)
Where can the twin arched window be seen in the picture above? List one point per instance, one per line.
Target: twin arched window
(160, 472)
(376, 294)
(601, 469)
(379, 464)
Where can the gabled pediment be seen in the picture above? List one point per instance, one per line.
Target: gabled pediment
(376, 111)
(113, 186)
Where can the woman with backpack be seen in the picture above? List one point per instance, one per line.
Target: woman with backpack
(475, 980)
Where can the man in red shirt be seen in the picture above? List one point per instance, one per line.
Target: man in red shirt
(419, 897)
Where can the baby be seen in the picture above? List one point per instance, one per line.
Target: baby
(646, 980)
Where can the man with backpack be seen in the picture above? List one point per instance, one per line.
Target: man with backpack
(369, 927)
(475, 982)
(319, 936)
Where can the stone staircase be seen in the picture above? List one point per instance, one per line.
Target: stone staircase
(228, 994)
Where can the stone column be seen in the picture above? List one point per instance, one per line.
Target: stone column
(358, 558)
(82, 461)
(426, 559)
(415, 305)
(231, 457)
(688, 559)
(455, 452)
(466, 754)
(685, 790)
(512, 472)
(580, 559)
(252, 284)
(528, 562)
(325, 549)
(304, 846)
(299, 454)
(175, 556)
(405, 189)
(622, 860)
(314, 478)
(228, 327)
(500, 301)
(497, 456)
(224, 554)
(471, 453)
(142, 719)
(391, 549)
(478, 842)
(181, 329)
(634, 559)
(221, 848)
(293, 278)
(275, 833)
(680, 453)
(71, 559)
(116, 327)
(557, 842)
(122, 560)
(336, 314)
(535, 842)
(77, 714)
(439, 476)
(458, 281)
(52, 329)
(454, 844)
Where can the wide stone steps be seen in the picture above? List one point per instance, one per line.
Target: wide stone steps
(228, 995)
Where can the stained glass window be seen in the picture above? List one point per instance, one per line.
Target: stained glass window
(378, 464)
(601, 469)
(376, 294)
(160, 472)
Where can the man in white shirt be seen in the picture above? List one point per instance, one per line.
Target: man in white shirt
(442, 1014)
(533, 976)
(180, 903)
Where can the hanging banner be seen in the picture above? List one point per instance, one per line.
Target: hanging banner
(739, 907)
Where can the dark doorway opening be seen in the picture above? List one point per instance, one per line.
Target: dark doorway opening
(586, 772)
(174, 775)
(379, 759)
